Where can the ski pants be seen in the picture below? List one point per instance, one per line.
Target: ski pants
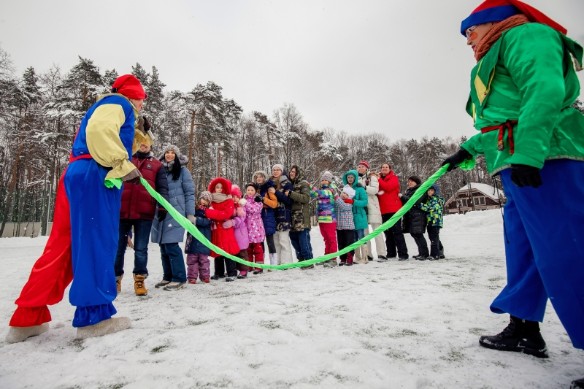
(544, 247)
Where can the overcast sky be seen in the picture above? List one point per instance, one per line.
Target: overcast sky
(395, 67)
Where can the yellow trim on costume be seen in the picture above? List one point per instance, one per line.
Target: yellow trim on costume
(480, 87)
(103, 140)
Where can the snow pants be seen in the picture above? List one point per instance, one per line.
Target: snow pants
(329, 235)
(544, 246)
(256, 253)
(198, 265)
(82, 248)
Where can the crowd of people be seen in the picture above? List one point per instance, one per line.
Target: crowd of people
(522, 93)
(273, 214)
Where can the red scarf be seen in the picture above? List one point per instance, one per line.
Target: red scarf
(495, 32)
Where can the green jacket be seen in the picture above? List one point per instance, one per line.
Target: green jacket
(300, 196)
(528, 76)
(359, 201)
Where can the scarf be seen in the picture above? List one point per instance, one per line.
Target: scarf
(495, 33)
(219, 197)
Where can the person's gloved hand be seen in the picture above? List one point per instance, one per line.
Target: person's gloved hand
(258, 198)
(147, 125)
(456, 158)
(162, 214)
(525, 175)
(228, 224)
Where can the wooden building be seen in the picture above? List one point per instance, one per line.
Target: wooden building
(475, 197)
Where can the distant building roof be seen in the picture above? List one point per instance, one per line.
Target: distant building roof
(486, 189)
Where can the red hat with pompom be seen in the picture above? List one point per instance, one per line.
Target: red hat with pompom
(129, 86)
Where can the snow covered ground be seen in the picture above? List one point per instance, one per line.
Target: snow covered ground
(393, 325)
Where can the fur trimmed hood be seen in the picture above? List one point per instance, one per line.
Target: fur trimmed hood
(224, 181)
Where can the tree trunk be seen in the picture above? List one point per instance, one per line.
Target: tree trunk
(11, 188)
(191, 141)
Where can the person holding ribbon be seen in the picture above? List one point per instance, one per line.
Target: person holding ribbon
(523, 88)
(84, 239)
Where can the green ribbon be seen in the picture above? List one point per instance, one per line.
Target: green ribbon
(193, 230)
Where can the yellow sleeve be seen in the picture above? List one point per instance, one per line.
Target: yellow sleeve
(103, 140)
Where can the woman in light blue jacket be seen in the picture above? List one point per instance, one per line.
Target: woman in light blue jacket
(165, 230)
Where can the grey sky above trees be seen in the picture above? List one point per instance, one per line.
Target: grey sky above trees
(399, 68)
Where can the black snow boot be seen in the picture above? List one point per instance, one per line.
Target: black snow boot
(520, 335)
(577, 384)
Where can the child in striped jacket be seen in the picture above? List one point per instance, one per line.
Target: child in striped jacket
(327, 219)
(345, 223)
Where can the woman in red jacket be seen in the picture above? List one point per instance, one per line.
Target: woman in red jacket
(390, 203)
(221, 212)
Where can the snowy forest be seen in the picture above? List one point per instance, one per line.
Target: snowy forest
(39, 115)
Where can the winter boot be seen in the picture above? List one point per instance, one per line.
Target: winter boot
(161, 284)
(174, 286)
(139, 286)
(105, 327)
(119, 283)
(19, 334)
(520, 335)
(577, 384)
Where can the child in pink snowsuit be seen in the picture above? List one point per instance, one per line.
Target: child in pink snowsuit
(255, 226)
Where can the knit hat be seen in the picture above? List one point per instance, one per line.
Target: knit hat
(173, 148)
(235, 191)
(259, 173)
(206, 195)
(327, 176)
(349, 191)
(278, 166)
(364, 163)
(129, 86)
(415, 179)
(498, 10)
(253, 185)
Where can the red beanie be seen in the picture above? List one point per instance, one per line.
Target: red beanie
(129, 86)
(235, 191)
(364, 163)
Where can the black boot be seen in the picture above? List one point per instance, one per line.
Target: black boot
(577, 384)
(520, 335)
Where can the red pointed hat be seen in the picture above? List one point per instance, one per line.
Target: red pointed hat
(497, 10)
(129, 86)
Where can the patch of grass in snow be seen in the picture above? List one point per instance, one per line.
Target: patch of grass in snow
(403, 333)
(454, 356)
(396, 354)
(159, 349)
(269, 324)
(77, 344)
(196, 322)
(477, 331)
(322, 375)
(113, 386)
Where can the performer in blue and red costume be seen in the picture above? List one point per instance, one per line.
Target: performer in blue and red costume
(82, 245)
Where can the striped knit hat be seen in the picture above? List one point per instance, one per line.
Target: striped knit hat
(497, 10)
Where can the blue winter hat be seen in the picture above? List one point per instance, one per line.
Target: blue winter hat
(498, 10)
(489, 11)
